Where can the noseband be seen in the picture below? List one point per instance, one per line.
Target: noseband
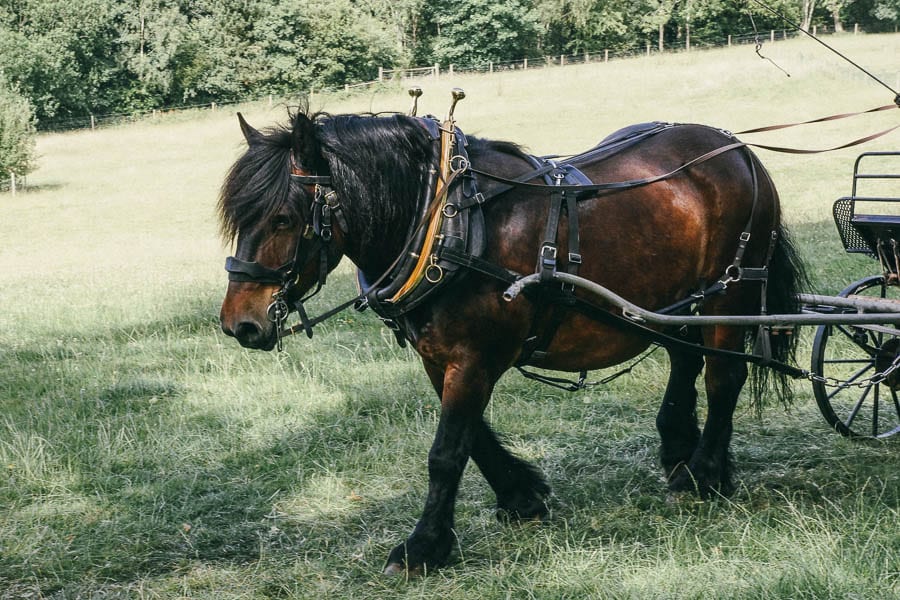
(319, 228)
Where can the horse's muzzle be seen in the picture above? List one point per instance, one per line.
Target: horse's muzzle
(251, 334)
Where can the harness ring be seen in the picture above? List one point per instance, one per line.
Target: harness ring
(433, 272)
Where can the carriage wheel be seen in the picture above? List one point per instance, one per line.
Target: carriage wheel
(853, 354)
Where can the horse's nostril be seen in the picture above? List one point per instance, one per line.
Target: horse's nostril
(247, 331)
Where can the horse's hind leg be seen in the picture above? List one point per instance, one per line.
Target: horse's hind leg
(676, 420)
(710, 469)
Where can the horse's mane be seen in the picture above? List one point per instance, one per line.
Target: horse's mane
(479, 147)
(379, 165)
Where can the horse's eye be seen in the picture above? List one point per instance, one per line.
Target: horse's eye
(281, 222)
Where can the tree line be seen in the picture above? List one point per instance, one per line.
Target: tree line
(73, 58)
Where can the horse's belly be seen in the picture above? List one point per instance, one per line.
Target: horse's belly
(582, 344)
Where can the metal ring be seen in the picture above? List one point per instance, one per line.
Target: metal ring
(450, 210)
(733, 273)
(434, 278)
(463, 163)
(277, 312)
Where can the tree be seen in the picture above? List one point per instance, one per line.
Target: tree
(61, 55)
(153, 41)
(17, 133)
(243, 47)
(836, 6)
(479, 31)
(887, 11)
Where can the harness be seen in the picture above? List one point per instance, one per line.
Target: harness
(448, 239)
(443, 228)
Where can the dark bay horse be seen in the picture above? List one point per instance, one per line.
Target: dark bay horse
(653, 244)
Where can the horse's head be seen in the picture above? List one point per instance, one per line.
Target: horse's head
(276, 203)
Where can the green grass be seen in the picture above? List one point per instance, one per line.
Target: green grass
(144, 455)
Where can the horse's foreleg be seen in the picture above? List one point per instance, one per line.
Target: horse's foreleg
(521, 489)
(676, 420)
(463, 397)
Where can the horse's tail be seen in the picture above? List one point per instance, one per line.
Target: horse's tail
(787, 278)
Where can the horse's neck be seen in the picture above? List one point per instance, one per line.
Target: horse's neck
(377, 234)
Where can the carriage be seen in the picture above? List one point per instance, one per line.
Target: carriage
(844, 357)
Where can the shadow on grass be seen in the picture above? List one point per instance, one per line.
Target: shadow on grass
(185, 490)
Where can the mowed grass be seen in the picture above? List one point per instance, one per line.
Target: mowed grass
(145, 455)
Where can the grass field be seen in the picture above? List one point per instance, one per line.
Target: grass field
(144, 455)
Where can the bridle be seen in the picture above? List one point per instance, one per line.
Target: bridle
(324, 211)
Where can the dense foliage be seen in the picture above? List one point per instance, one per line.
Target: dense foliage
(77, 57)
(17, 133)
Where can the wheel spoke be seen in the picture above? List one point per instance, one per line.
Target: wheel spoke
(859, 404)
(875, 399)
(853, 338)
(848, 361)
(848, 382)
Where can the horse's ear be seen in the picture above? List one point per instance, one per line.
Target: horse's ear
(250, 134)
(304, 143)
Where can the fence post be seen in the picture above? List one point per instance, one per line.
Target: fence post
(525, 65)
(606, 56)
(380, 74)
(856, 29)
(213, 106)
(815, 29)
(93, 123)
(437, 71)
(490, 66)
(648, 48)
(451, 69)
(729, 40)
(12, 183)
(772, 36)
(562, 60)
(587, 57)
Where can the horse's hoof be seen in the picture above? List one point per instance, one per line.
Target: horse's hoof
(395, 569)
(510, 517)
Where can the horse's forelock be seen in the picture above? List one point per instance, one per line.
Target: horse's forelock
(257, 185)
